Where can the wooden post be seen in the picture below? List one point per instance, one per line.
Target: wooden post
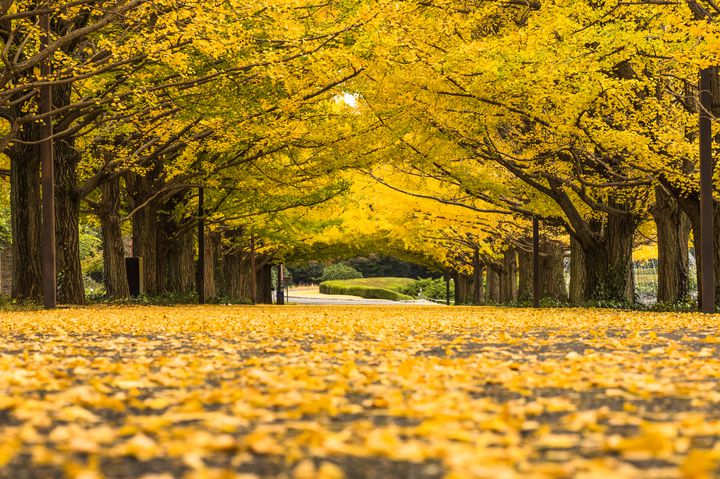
(49, 265)
(253, 270)
(477, 277)
(201, 245)
(447, 288)
(536, 262)
(707, 227)
(280, 289)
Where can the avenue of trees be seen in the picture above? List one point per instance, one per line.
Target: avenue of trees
(430, 130)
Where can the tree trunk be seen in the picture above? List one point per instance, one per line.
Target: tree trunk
(673, 227)
(212, 244)
(236, 268)
(25, 216)
(619, 282)
(508, 277)
(220, 287)
(525, 275)
(116, 285)
(175, 253)
(588, 273)
(253, 271)
(602, 271)
(477, 278)
(144, 224)
(492, 291)
(235, 278)
(67, 223)
(461, 288)
(552, 271)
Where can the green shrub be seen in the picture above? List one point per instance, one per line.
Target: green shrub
(352, 288)
(339, 271)
(428, 288)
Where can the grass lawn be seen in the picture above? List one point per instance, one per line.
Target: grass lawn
(371, 288)
(357, 392)
(393, 284)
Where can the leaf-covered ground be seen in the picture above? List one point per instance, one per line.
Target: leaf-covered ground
(357, 392)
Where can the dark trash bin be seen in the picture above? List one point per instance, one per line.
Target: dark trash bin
(134, 268)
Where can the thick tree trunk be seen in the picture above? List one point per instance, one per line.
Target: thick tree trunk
(461, 288)
(673, 227)
(477, 278)
(619, 282)
(212, 246)
(588, 274)
(144, 224)
(67, 223)
(235, 277)
(71, 289)
(236, 268)
(525, 275)
(219, 262)
(492, 291)
(692, 210)
(116, 285)
(552, 271)
(603, 271)
(175, 253)
(25, 216)
(253, 271)
(508, 277)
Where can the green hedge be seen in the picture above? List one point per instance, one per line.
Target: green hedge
(351, 288)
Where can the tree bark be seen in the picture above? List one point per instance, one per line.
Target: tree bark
(673, 228)
(175, 252)
(525, 275)
(508, 277)
(71, 289)
(588, 273)
(116, 285)
(460, 282)
(601, 269)
(477, 278)
(492, 291)
(25, 216)
(212, 246)
(620, 280)
(144, 224)
(235, 278)
(552, 271)
(253, 271)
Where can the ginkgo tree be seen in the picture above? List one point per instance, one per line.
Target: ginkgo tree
(172, 77)
(575, 100)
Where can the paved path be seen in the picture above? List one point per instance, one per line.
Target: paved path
(313, 296)
(360, 301)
